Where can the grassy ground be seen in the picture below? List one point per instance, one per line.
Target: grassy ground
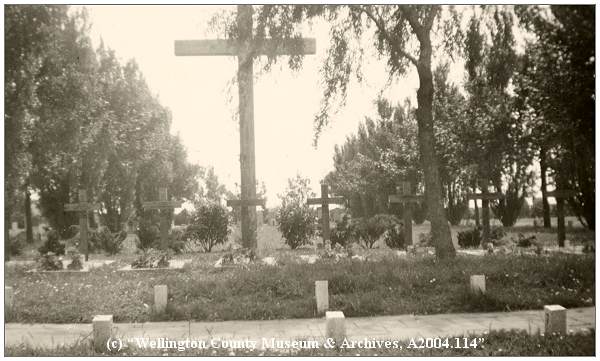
(496, 343)
(391, 285)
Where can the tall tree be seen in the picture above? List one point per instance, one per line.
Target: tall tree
(29, 30)
(402, 34)
(561, 88)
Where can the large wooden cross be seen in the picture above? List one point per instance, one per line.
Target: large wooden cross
(165, 205)
(245, 48)
(325, 201)
(406, 197)
(248, 206)
(560, 196)
(485, 197)
(83, 207)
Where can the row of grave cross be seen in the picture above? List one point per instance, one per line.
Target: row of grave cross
(405, 197)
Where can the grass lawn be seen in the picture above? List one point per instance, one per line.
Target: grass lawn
(388, 286)
(496, 343)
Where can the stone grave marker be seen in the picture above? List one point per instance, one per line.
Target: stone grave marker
(555, 319)
(83, 207)
(245, 48)
(322, 296)
(335, 326)
(477, 284)
(102, 331)
(160, 298)
(406, 197)
(325, 201)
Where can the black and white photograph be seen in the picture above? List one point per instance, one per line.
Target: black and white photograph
(299, 180)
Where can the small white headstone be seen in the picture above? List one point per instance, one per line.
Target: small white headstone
(555, 320)
(8, 297)
(102, 328)
(160, 298)
(567, 243)
(14, 226)
(335, 326)
(478, 284)
(322, 296)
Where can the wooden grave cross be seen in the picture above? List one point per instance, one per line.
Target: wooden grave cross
(83, 207)
(248, 204)
(163, 204)
(560, 196)
(324, 202)
(245, 48)
(485, 197)
(406, 198)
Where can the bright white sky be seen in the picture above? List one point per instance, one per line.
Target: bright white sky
(195, 89)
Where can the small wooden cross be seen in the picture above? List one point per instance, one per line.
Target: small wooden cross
(245, 48)
(485, 197)
(406, 198)
(163, 204)
(560, 196)
(83, 207)
(325, 201)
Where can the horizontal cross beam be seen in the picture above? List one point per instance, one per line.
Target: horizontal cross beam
(161, 205)
(395, 198)
(321, 201)
(485, 196)
(223, 47)
(561, 193)
(81, 207)
(246, 203)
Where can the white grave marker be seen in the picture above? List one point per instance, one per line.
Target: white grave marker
(478, 284)
(160, 298)
(335, 326)
(102, 328)
(322, 296)
(555, 319)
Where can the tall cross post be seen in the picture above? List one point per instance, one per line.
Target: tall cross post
(248, 204)
(163, 205)
(560, 196)
(485, 197)
(245, 48)
(325, 201)
(82, 207)
(406, 197)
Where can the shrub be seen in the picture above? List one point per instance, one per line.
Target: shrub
(497, 233)
(296, 223)
(343, 232)
(15, 244)
(52, 244)
(152, 258)
(50, 262)
(525, 241)
(76, 263)
(177, 241)
(369, 230)
(470, 238)
(394, 236)
(104, 240)
(149, 234)
(208, 226)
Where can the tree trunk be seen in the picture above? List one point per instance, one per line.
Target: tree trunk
(7, 212)
(477, 222)
(28, 225)
(440, 230)
(545, 205)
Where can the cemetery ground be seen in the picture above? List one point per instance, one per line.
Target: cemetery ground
(379, 282)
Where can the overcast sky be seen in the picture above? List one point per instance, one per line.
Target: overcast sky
(196, 90)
